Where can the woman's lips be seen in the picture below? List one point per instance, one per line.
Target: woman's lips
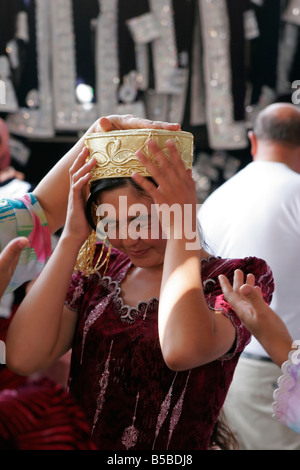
(137, 253)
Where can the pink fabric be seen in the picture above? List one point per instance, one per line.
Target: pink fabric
(39, 237)
(37, 240)
(5, 156)
(42, 416)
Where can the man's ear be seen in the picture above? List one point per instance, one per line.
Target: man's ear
(253, 142)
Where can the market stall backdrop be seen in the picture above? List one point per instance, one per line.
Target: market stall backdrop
(209, 64)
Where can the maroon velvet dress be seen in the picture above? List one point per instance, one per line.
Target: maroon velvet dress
(132, 400)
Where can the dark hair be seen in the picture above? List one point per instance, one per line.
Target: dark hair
(273, 127)
(222, 436)
(107, 184)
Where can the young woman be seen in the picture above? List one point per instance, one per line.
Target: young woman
(154, 343)
(36, 215)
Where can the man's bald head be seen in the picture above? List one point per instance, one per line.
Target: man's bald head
(279, 123)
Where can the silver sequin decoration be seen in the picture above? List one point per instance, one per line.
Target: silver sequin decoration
(38, 122)
(103, 383)
(131, 434)
(224, 132)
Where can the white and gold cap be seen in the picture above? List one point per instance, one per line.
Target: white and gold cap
(115, 151)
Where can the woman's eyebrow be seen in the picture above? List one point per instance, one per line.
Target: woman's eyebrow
(109, 221)
(131, 217)
(140, 216)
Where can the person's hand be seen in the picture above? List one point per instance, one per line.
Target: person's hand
(245, 298)
(76, 224)
(261, 321)
(174, 189)
(9, 173)
(128, 121)
(9, 258)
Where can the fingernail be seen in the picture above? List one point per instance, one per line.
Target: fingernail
(23, 243)
(246, 290)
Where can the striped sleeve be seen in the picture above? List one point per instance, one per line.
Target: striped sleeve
(24, 217)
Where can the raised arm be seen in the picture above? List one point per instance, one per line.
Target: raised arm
(42, 329)
(260, 320)
(190, 333)
(52, 192)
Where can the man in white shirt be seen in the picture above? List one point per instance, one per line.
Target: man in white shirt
(257, 213)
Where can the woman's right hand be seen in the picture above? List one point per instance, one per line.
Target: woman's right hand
(76, 225)
(128, 121)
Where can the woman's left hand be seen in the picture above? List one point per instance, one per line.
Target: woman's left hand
(175, 185)
(129, 121)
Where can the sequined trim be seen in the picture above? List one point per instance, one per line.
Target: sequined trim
(144, 28)
(170, 79)
(78, 291)
(38, 122)
(96, 312)
(176, 413)
(68, 113)
(107, 57)
(92, 318)
(103, 383)
(197, 103)
(108, 80)
(8, 102)
(287, 49)
(112, 287)
(130, 314)
(164, 410)
(208, 284)
(223, 132)
(127, 313)
(164, 47)
(131, 434)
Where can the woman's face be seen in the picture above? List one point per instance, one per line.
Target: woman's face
(129, 219)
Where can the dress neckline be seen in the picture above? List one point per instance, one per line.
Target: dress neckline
(129, 312)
